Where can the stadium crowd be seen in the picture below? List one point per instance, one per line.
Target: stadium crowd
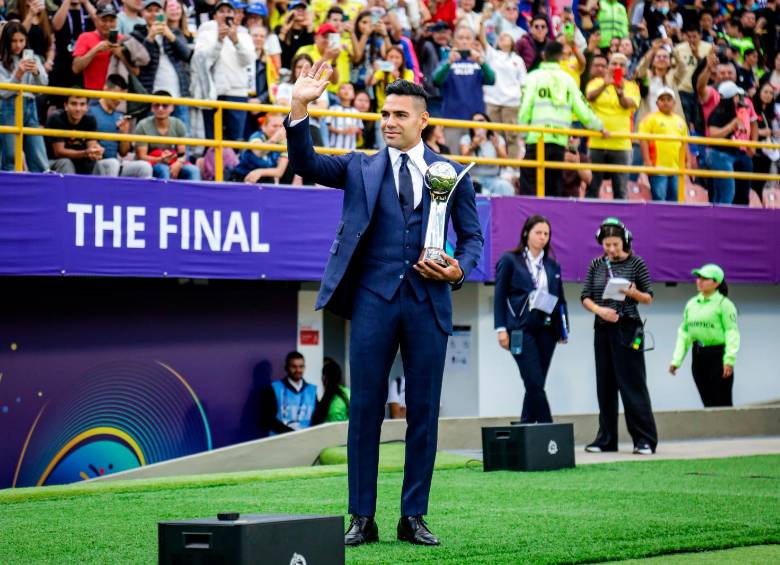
(708, 67)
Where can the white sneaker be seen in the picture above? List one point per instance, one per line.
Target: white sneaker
(593, 449)
(643, 449)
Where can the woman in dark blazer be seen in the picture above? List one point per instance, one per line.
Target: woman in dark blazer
(519, 273)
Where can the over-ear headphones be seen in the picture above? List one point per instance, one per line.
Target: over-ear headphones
(612, 221)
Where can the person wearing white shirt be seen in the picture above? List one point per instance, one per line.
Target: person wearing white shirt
(502, 99)
(229, 51)
(530, 313)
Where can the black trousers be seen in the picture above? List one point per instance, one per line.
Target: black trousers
(553, 178)
(707, 368)
(621, 369)
(534, 362)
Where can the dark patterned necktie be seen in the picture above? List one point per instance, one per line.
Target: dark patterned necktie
(405, 187)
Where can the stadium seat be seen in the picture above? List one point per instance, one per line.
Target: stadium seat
(771, 197)
(639, 189)
(605, 191)
(695, 193)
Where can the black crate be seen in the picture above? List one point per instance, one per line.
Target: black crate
(528, 447)
(253, 538)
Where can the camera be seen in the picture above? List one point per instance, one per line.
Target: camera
(160, 18)
(229, 21)
(334, 41)
(113, 36)
(28, 55)
(376, 14)
(464, 53)
(386, 66)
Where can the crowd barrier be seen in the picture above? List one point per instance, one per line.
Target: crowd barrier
(19, 130)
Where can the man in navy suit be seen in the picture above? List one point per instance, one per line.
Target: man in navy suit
(375, 278)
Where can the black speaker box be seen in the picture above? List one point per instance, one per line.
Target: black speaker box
(259, 539)
(528, 447)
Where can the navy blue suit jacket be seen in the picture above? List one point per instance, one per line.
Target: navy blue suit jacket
(514, 284)
(361, 176)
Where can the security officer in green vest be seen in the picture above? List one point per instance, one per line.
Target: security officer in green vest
(613, 21)
(710, 324)
(550, 96)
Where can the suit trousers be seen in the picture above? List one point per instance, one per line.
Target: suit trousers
(379, 327)
(620, 368)
(534, 362)
(707, 368)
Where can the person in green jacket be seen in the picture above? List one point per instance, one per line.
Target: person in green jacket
(550, 96)
(613, 21)
(710, 325)
(334, 405)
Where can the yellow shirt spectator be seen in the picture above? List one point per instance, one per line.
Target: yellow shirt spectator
(573, 68)
(664, 153)
(616, 118)
(382, 79)
(321, 7)
(343, 66)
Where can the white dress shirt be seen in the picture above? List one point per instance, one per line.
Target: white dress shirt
(417, 165)
(417, 168)
(538, 274)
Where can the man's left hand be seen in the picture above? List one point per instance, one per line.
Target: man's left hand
(452, 273)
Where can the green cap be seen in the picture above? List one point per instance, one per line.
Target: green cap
(710, 271)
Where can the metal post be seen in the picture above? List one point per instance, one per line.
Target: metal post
(218, 171)
(540, 166)
(681, 175)
(19, 122)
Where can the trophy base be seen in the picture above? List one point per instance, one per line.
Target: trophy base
(434, 254)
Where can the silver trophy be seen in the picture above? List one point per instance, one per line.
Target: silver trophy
(441, 180)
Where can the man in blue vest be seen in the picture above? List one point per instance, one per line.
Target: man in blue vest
(375, 278)
(287, 405)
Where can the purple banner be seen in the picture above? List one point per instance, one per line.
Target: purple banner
(54, 225)
(672, 238)
(82, 225)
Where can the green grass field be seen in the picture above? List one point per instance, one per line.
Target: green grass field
(593, 513)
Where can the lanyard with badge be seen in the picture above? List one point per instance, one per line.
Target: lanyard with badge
(73, 34)
(540, 298)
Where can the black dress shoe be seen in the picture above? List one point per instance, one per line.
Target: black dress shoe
(414, 530)
(362, 529)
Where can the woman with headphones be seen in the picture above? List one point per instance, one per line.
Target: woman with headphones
(530, 312)
(710, 324)
(619, 340)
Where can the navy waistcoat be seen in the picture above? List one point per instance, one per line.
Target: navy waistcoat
(392, 245)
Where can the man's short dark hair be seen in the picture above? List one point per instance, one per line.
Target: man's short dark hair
(540, 17)
(553, 52)
(75, 87)
(403, 87)
(291, 356)
(116, 81)
(161, 93)
(334, 10)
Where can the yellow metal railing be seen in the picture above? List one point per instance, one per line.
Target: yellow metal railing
(540, 164)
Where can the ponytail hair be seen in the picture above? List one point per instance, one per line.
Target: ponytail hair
(723, 288)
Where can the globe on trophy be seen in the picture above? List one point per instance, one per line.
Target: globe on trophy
(441, 180)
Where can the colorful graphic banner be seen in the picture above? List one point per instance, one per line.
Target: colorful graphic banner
(103, 375)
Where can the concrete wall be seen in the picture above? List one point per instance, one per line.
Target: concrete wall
(302, 447)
